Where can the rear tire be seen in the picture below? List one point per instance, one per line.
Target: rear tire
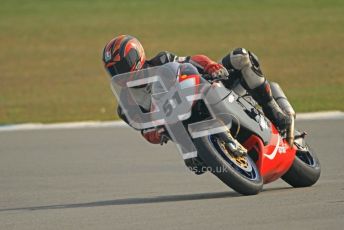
(305, 170)
(247, 182)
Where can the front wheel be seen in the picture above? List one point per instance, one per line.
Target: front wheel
(305, 170)
(239, 173)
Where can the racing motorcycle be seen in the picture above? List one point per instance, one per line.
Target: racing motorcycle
(217, 126)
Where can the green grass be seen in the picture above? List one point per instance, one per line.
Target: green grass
(50, 51)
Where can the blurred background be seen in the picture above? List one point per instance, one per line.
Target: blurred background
(50, 51)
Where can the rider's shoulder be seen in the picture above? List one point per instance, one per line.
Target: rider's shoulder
(162, 57)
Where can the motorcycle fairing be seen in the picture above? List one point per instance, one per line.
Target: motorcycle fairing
(272, 160)
(245, 115)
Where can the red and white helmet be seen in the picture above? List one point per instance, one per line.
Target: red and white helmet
(123, 54)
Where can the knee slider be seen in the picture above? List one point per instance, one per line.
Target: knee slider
(240, 58)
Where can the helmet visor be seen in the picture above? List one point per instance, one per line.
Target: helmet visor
(119, 67)
(127, 64)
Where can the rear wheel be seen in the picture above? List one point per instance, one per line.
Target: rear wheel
(238, 172)
(305, 170)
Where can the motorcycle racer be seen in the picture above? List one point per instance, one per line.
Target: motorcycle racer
(125, 54)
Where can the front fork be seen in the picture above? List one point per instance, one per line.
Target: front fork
(232, 144)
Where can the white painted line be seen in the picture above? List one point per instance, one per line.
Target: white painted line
(68, 125)
(100, 124)
(320, 115)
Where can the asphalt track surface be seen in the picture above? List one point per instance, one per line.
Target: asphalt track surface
(110, 178)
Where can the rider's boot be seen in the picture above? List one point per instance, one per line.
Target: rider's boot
(262, 94)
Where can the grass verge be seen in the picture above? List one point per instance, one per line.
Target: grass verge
(50, 59)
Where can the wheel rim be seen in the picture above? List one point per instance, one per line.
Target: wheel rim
(243, 164)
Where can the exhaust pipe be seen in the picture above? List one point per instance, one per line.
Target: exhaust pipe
(286, 107)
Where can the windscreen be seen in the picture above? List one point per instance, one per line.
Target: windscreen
(154, 97)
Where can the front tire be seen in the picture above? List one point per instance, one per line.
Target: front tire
(241, 174)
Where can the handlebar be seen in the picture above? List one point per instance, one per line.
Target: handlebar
(212, 79)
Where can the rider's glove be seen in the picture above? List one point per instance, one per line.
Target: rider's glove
(155, 135)
(216, 70)
(208, 66)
